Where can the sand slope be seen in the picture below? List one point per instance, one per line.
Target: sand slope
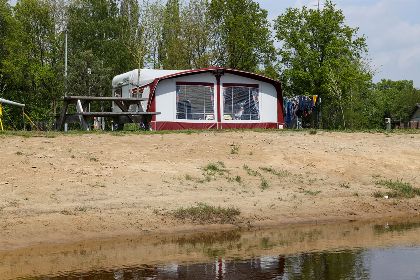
(74, 187)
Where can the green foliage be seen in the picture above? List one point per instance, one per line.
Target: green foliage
(217, 168)
(395, 99)
(322, 56)
(172, 51)
(278, 173)
(241, 38)
(30, 65)
(103, 41)
(319, 55)
(399, 189)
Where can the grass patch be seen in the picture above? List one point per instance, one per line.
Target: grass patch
(264, 184)
(278, 173)
(204, 213)
(250, 171)
(254, 173)
(312, 131)
(399, 189)
(313, 193)
(217, 168)
(345, 185)
(378, 194)
(234, 149)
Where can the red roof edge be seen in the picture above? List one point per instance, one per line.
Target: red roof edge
(255, 76)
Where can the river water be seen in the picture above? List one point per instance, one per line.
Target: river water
(353, 250)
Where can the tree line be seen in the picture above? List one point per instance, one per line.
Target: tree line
(312, 52)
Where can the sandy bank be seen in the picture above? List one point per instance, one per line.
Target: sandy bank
(76, 187)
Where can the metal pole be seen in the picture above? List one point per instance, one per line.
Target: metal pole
(65, 71)
(5, 101)
(65, 64)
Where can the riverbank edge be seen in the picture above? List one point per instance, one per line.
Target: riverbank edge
(194, 229)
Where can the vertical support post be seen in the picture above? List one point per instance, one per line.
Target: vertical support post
(1, 117)
(65, 63)
(80, 110)
(219, 97)
(65, 84)
(62, 120)
(23, 118)
(218, 73)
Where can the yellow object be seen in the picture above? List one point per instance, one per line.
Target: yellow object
(315, 97)
(1, 115)
(29, 119)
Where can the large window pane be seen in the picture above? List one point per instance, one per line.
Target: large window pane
(241, 103)
(194, 102)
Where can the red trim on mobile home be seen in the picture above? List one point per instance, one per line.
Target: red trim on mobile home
(205, 126)
(280, 118)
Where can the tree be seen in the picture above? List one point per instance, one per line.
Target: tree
(6, 26)
(196, 33)
(395, 99)
(321, 55)
(106, 33)
(30, 64)
(172, 50)
(151, 21)
(241, 34)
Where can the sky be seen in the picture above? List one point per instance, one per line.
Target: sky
(392, 28)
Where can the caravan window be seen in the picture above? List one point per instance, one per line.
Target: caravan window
(241, 102)
(194, 102)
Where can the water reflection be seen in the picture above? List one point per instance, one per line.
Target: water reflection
(342, 265)
(381, 250)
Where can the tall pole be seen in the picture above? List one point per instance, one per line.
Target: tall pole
(65, 70)
(65, 63)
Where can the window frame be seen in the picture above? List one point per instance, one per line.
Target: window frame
(203, 84)
(239, 85)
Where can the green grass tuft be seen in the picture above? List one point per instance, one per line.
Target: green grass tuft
(264, 184)
(278, 173)
(378, 194)
(204, 213)
(399, 189)
(234, 149)
(250, 171)
(313, 193)
(217, 168)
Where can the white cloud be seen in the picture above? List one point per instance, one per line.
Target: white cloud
(393, 35)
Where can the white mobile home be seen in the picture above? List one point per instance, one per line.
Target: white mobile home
(209, 98)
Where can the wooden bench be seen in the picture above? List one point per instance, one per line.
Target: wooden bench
(82, 102)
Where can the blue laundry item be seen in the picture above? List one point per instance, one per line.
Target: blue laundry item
(296, 108)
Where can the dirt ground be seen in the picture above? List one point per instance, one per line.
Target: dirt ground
(68, 188)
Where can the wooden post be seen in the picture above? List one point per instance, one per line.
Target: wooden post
(63, 114)
(23, 118)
